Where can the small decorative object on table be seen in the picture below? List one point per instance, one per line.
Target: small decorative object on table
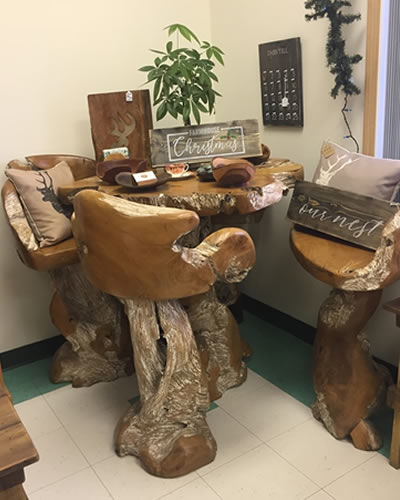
(108, 170)
(127, 179)
(232, 172)
(177, 170)
(116, 153)
(205, 173)
(258, 160)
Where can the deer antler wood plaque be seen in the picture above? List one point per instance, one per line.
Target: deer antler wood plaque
(116, 122)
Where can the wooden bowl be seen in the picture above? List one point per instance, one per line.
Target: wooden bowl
(108, 170)
(235, 172)
(257, 160)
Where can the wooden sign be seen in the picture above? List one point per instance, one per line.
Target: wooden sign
(240, 138)
(345, 215)
(121, 119)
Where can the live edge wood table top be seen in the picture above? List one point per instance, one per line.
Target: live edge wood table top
(272, 179)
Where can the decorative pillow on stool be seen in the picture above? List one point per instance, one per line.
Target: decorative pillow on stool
(358, 173)
(49, 219)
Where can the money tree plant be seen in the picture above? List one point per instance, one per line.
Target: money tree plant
(183, 77)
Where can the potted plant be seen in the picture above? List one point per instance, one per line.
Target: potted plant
(184, 76)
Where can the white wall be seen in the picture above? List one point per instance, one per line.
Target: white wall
(52, 55)
(238, 28)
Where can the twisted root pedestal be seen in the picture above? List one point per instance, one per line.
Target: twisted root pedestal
(218, 339)
(98, 345)
(348, 383)
(167, 428)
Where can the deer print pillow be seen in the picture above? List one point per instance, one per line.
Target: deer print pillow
(358, 173)
(49, 219)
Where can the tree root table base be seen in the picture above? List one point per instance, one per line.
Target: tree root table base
(167, 428)
(186, 353)
(348, 383)
(98, 346)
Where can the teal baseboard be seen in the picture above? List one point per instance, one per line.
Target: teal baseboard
(46, 348)
(295, 327)
(31, 353)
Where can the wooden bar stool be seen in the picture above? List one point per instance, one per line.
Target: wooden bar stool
(133, 252)
(92, 352)
(348, 383)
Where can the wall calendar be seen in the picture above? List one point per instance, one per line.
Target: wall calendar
(281, 83)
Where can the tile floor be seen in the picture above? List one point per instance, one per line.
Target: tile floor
(269, 446)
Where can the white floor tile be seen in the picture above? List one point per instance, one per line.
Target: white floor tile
(93, 429)
(321, 457)
(196, 490)
(97, 397)
(232, 439)
(37, 417)
(125, 479)
(260, 474)
(59, 458)
(84, 485)
(373, 480)
(263, 408)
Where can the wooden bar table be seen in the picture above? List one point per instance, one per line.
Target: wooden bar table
(214, 205)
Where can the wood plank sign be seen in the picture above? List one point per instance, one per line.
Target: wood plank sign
(194, 144)
(349, 216)
(121, 120)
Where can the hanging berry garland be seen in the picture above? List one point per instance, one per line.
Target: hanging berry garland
(339, 63)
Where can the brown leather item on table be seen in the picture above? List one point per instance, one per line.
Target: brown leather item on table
(126, 179)
(108, 170)
(232, 172)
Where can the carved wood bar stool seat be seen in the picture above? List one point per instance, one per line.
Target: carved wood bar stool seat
(132, 251)
(349, 385)
(94, 324)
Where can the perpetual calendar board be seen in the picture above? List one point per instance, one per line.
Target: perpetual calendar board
(281, 82)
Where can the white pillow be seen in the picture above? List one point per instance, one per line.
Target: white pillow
(357, 172)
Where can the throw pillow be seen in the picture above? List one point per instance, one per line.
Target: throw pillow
(358, 173)
(49, 219)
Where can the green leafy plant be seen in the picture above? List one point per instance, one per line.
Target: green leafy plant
(184, 76)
